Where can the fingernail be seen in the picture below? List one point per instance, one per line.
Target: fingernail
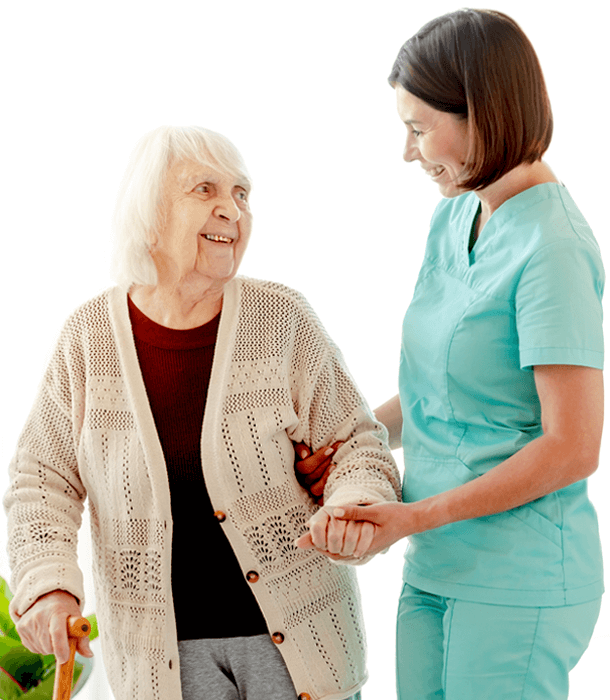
(338, 512)
(303, 454)
(329, 451)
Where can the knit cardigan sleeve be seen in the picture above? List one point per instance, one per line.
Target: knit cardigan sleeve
(331, 408)
(365, 471)
(45, 500)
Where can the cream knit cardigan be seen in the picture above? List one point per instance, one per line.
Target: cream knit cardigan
(276, 377)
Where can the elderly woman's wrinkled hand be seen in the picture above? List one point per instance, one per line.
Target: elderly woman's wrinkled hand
(340, 540)
(43, 628)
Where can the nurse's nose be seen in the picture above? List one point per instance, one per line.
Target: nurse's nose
(411, 150)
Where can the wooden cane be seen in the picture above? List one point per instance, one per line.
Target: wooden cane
(77, 627)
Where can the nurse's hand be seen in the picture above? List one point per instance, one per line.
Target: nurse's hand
(312, 470)
(340, 540)
(385, 523)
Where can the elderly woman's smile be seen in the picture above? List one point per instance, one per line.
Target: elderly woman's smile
(217, 239)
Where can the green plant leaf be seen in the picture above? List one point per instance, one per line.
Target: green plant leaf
(43, 691)
(7, 626)
(25, 667)
(48, 661)
(9, 690)
(8, 629)
(78, 669)
(5, 592)
(6, 644)
(94, 628)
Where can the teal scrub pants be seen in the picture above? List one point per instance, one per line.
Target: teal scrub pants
(455, 650)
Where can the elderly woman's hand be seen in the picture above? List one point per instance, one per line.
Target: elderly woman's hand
(340, 540)
(43, 628)
(376, 527)
(312, 470)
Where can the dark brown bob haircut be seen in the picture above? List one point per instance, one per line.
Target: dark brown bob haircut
(480, 66)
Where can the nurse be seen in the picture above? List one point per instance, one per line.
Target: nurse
(500, 405)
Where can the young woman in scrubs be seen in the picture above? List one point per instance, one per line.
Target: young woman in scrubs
(500, 404)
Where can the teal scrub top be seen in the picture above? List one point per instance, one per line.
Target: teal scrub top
(528, 294)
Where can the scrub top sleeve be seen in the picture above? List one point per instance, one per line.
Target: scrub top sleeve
(558, 306)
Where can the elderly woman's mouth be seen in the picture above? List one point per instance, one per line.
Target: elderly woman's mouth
(216, 238)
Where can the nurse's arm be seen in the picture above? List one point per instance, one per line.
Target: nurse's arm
(390, 414)
(572, 403)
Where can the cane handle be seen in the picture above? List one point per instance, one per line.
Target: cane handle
(77, 627)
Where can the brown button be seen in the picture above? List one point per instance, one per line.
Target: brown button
(304, 696)
(277, 637)
(220, 516)
(252, 577)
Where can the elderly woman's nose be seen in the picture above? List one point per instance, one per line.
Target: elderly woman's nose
(227, 208)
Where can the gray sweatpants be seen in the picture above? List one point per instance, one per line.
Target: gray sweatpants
(234, 668)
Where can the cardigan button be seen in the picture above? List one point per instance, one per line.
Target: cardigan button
(304, 696)
(252, 577)
(277, 637)
(220, 516)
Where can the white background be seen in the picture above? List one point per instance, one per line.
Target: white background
(301, 89)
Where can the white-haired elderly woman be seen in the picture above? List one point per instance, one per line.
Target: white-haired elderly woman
(170, 403)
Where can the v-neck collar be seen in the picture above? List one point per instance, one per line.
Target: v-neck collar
(508, 209)
(472, 239)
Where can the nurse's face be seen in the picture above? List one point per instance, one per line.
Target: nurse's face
(438, 140)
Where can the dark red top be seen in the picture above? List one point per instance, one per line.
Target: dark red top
(211, 596)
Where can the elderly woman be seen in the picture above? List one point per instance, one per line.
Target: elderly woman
(500, 404)
(170, 403)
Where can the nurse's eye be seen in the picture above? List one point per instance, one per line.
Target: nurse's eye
(415, 132)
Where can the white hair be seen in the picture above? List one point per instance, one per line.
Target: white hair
(137, 213)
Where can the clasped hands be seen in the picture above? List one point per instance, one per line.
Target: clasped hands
(348, 532)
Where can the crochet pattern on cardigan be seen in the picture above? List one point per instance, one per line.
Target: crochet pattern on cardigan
(276, 377)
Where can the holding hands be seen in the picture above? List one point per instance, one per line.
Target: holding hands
(341, 540)
(348, 533)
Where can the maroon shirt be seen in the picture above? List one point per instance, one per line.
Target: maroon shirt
(211, 596)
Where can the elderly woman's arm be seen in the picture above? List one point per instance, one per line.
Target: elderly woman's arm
(363, 470)
(313, 469)
(44, 504)
(336, 414)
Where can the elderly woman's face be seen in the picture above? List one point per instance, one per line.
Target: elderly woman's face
(207, 223)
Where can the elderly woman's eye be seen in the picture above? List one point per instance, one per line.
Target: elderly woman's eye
(242, 194)
(203, 188)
